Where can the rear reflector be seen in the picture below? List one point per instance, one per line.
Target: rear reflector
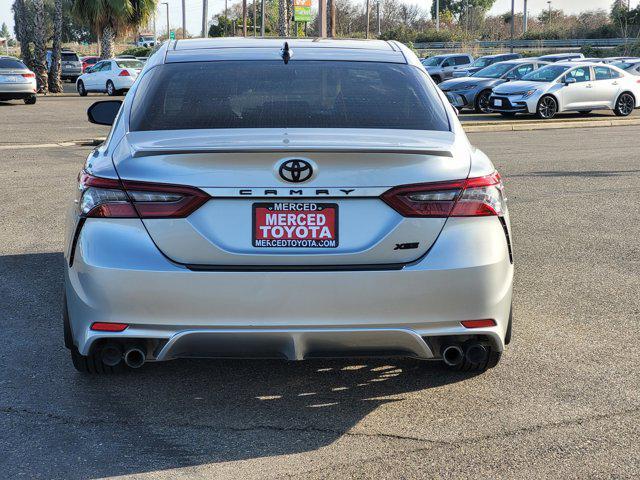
(471, 197)
(29, 75)
(489, 322)
(108, 327)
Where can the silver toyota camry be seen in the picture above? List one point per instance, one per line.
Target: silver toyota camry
(286, 199)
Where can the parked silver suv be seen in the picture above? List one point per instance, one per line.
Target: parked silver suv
(441, 67)
(71, 65)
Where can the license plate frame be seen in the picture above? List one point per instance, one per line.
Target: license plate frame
(311, 241)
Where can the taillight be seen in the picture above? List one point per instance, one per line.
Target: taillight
(472, 197)
(124, 73)
(29, 75)
(106, 197)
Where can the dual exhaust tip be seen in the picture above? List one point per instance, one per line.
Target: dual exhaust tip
(133, 356)
(475, 353)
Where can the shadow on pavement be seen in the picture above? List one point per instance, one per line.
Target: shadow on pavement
(169, 415)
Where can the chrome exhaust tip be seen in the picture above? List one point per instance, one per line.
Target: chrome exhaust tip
(134, 357)
(452, 355)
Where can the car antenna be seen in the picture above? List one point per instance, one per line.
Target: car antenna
(286, 53)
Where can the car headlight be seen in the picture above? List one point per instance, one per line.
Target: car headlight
(528, 93)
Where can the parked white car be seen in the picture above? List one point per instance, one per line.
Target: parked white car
(111, 76)
(17, 82)
(568, 86)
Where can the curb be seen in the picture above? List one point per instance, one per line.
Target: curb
(542, 125)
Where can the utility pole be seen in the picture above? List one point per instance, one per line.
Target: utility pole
(549, 19)
(205, 14)
(524, 18)
(166, 4)
(255, 18)
(155, 29)
(332, 17)
(244, 18)
(184, 19)
(437, 15)
(513, 23)
(261, 18)
(322, 18)
(368, 8)
(226, 16)
(378, 13)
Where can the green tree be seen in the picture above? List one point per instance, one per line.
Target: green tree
(109, 18)
(459, 7)
(40, 46)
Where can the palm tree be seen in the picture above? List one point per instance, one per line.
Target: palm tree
(55, 83)
(109, 18)
(40, 46)
(22, 32)
(283, 31)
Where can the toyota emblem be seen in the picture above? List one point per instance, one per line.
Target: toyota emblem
(295, 170)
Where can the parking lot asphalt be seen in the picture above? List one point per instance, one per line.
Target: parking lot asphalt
(563, 403)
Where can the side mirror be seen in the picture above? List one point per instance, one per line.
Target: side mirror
(104, 112)
(569, 80)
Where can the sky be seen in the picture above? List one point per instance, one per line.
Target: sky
(194, 9)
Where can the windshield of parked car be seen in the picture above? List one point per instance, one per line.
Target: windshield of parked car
(129, 63)
(545, 74)
(481, 62)
(493, 71)
(11, 63)
(302, 94)
(432, 61)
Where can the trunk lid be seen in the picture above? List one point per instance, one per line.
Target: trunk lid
(240, 170)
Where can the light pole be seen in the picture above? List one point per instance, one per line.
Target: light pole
(262, 18)
(438, 15)
(513, 23)
(378, 13)
(549, 19)
(205, 14)
(184, 19)
(166, 4)
(524, 18)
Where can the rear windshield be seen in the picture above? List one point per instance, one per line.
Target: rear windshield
(11, 63)
(270, 94)
(129, 63)
(70, 57)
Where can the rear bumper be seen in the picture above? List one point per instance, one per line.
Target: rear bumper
(15, 91)
(118, 275)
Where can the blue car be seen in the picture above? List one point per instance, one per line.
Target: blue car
(473, 92)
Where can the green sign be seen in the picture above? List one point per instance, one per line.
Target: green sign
(172, 35)
(301, 10)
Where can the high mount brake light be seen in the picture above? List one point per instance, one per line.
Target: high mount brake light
(106, 197)
(472, 197)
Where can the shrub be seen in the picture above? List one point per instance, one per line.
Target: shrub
(137, 51)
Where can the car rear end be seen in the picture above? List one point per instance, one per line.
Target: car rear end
(299, 209)
(17, 82)
(126, 72)
(71, 66)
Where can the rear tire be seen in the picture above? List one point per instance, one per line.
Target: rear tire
(111, 89)
(31, 100)
(82, 91)
(625, 104)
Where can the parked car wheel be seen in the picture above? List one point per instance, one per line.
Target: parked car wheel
(547, 107)
(111, 89)
(30, 100)
(624, 105)
(482, 102)
(81, 90)
(92, 364)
